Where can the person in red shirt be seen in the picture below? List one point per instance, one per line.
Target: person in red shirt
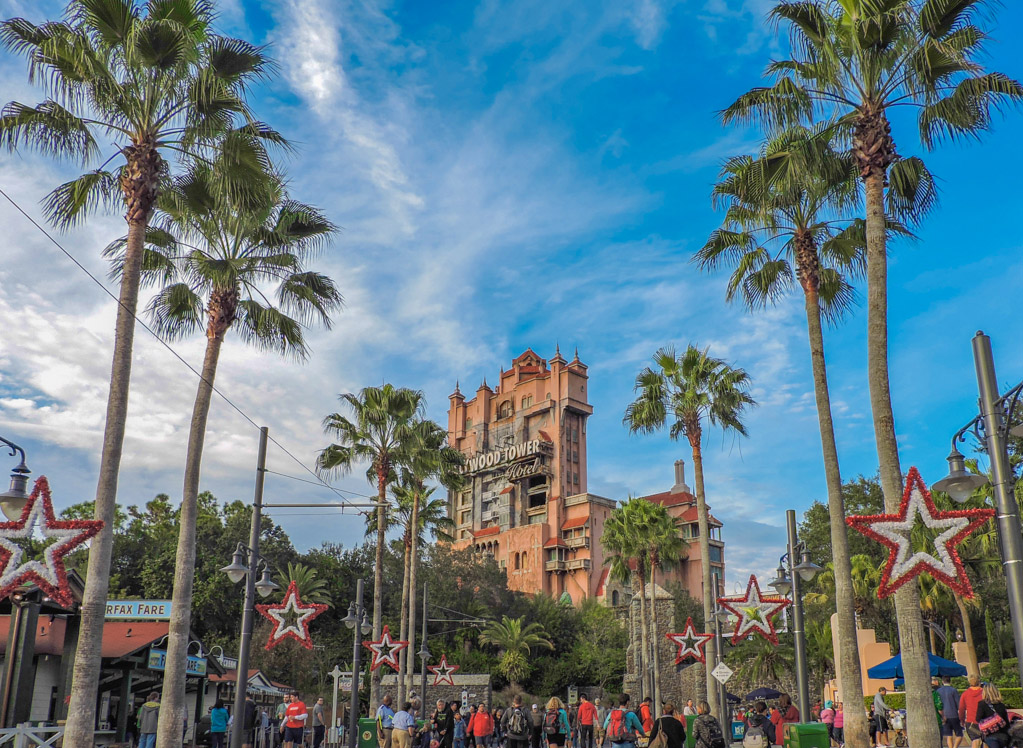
(784, 714)
(968, 704)
(293, 725)
(587, 716)
(646, 714)
(483, 727)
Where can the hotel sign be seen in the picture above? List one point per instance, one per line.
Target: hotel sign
(486, 461)
(138, 610)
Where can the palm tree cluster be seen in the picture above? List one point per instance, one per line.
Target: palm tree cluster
(820, 202)
(386, 430)
(640, 538)
(155, 102)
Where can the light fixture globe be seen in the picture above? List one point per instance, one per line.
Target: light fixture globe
(367, 627)
(959, 484)
(266, 585)
(351, 619)
(782, 583)
(807, 569)
(13, 500)
(237, 569)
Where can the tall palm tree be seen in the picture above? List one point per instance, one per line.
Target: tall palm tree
(665, 550)
(788, 219)
(692, 389)
(147, 79)
(311, 588)
(856, 61)
(426, 456)
(212, 256)
(515, 642)
(381, 422)
(625, 552)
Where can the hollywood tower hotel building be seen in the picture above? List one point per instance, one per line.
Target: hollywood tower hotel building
(525, 500)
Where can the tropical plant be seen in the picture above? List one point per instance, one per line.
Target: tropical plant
(757, 660)
(311, 588)
(994, 647)
(211, 256)
(148, 80)
(855, 61)
(382, 418)
(515, 642)
(789, 218)
(692, 389)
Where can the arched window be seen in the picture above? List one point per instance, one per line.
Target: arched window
(527, 401)
(614, 597)
(516, 561)
(505, 409)
(525, 559)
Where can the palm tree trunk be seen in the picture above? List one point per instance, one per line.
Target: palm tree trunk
(654, 641)
(912, 643)
(378, 581)
(967, 629)
(413, 582)
(403, 655)
(644, 643)
(139, 184)
(173, 708)
(709, 592)
(851, 681)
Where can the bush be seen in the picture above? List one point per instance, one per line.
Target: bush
(1012, 697)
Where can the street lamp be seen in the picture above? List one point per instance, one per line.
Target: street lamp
(13, 500)
(992, 428)
(357, 616)
(720, 616)
(788, 583)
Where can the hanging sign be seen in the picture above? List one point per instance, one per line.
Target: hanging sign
(138, 610)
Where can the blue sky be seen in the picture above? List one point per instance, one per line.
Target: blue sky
(513, 174)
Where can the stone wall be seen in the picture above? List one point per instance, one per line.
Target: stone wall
(478, 687)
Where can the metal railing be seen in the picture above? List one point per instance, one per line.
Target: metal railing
(25, 736)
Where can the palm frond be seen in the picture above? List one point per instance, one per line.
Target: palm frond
(70, 203)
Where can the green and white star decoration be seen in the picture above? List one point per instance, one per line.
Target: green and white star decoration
(690, 643)
(755, 611)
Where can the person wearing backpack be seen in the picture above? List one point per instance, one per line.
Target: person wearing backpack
(483, 727)
(622, 726)
(668, 731)
(555, 722)
(585, 717)
(759, 730)
(828, 718)
(706, 728)
(517, 724)
(598, 723)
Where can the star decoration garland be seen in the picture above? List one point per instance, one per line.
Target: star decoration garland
(49, 574)
(385, 650)
(755, 611)
(894, 531)
(442, 672)
(690, 643)
(298, 629)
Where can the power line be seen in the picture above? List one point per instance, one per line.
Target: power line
(319, 481)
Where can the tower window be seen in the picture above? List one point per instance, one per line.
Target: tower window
(527, 401)
(506, 409)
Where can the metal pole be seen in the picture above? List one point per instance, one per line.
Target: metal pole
(798, 630)
(245, 643)
(353, 715)
(422, 682)
(333, 736)
(1011, 541)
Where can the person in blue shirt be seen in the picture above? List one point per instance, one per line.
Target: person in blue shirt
(555, 722)
(622, 726)
(218, 725)
(385, 719)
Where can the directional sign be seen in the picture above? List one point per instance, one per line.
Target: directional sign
(722, 672)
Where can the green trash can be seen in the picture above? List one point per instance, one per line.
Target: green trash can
(690, 738)
(806, 735)
(367, 733)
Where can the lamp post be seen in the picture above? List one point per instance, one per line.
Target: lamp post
(358, 620)
(424, 655)
(245, 564)
(13, 500)
(721, 616)
(794, 568)
(332, 736)
(992, 428)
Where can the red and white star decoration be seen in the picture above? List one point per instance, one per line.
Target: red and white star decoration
(385, 650)
(893, 531)
(442, 672)
(49, 574)
(284, 626)
(755, 611)
(690, 643)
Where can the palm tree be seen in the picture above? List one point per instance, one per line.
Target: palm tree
(787, 219)
(691, 389)
(148, 80)
(515, 641)
(855, 62)
(211, 254)
(625, 552)
(382, 418)
(757, 660)
(311, 588)
(426, 456)
(665, 550)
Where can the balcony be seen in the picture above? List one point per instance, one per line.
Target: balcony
(578, 542)
(555, 565)
(578, 563)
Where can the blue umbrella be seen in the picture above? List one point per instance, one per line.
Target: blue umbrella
(762, 694)
(893, 668)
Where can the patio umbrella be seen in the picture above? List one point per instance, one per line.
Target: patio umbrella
(762, 694)
(732, 698)
(893, 668)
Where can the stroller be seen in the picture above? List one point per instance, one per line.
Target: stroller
(897, 723)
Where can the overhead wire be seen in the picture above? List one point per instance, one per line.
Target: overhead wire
(319, 481)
